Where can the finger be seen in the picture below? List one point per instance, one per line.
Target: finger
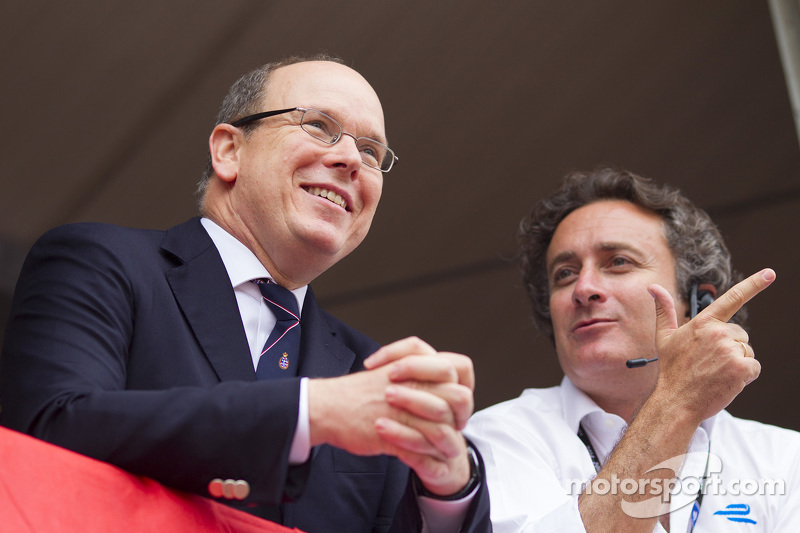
(755, 371)
(444, 437)
(420, 403)
(747, 350)
(444, 367)
(458, 397)
(447, 403)
(444, 441)
(425, 466)
(463, 366)
(739, 333)
(666, 316)
(439, 475)
(423, 368)
(398, 350)
(724, 307)
(402, 438)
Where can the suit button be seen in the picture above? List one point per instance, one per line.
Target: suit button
(227, 488)
(241, 489)
(215, 488)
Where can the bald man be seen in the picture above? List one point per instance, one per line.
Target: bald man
(199, 357)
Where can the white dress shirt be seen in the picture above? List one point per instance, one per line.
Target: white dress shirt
(536, 465)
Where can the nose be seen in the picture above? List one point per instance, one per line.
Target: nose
(344, 154)
(588, 288)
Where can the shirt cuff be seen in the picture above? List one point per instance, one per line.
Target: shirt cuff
(301, 443)
(444, 516)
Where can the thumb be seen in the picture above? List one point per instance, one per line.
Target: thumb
(666, 316)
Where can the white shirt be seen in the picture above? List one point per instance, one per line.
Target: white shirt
(536, 464)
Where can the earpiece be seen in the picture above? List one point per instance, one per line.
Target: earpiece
(698, 300)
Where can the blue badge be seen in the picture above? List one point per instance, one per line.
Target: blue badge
(736, 512)
(284, 362)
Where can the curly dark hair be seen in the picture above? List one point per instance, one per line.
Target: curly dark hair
(244, 98)
(694, 240)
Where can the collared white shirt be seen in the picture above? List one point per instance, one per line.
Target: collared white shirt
(536, 465)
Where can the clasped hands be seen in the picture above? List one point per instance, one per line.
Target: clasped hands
(410, 402)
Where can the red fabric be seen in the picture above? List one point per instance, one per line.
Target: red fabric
(47, 489)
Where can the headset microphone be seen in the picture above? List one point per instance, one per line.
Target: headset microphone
(636, 363)
(698, 300)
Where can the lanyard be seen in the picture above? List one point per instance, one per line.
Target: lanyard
(589, 448)
(700, 491)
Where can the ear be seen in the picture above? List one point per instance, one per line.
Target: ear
(223, 145)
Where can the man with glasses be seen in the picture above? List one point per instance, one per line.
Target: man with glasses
(199, 357)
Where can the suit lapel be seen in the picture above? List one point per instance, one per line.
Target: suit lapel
(202, 289)
(322, 354)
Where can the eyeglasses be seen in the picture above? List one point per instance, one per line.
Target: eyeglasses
(374, 154)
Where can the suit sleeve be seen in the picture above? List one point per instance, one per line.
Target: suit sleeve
(82, 300)
(477, 519)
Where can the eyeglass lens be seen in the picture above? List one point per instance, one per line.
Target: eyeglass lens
(326, 129)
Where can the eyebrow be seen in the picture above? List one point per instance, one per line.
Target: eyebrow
(333, 114)
(612, 246)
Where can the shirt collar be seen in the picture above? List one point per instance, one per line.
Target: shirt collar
(241, 264)
(577, 405)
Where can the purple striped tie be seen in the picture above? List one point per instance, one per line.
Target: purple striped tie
(281, 352)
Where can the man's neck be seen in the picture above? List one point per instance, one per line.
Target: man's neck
(240, 233)
(619, 391)
(625, 409)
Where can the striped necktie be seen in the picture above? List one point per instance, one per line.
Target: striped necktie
(281, 352)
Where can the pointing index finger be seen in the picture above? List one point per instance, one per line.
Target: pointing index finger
(724, 307)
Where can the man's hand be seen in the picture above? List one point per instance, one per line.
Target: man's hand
(705, 364)
(429, 388)
(702, 367)
(448, 376)
(411, 402)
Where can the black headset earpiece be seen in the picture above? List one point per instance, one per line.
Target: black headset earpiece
(698, 300)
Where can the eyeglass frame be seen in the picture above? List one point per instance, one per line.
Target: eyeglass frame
(265, 114)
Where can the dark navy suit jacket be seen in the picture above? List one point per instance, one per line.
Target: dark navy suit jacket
(126, 345)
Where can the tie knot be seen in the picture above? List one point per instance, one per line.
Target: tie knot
(281, 300)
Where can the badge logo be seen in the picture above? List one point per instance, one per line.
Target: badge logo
(736, 512)
(284, 362)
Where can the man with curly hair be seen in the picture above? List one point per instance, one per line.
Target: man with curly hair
(622, 275)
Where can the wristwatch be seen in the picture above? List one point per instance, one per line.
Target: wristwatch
(474, 480)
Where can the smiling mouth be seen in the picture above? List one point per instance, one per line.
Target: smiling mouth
(328, 195)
